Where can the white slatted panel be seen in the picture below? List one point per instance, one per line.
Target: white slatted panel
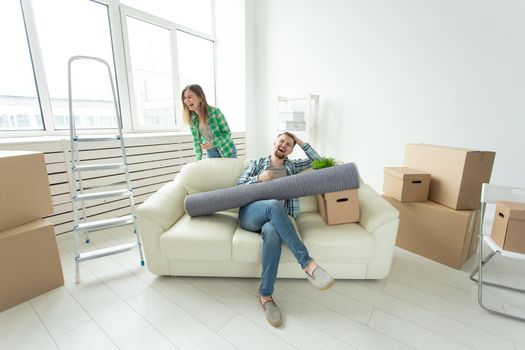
(153, 161)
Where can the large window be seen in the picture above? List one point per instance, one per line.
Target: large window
(151, 62)
(153, 49)
(162, 60)
(19, 107)
(83, 31)
(196, 63)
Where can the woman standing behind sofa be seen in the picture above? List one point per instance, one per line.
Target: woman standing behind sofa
(208, 125)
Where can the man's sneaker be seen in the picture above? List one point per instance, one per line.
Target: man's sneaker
(272, 312)
(320, 278)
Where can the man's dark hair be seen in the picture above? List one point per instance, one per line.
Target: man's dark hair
(289, 135)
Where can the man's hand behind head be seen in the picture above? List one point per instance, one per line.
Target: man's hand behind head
(296, 139)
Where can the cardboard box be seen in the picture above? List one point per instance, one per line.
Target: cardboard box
(437, 232)
(29, 262)
(508, 229)
(292, 126)
(294, 116)
(406, 184)
(456, 173)
(24, 188)
(339, 207)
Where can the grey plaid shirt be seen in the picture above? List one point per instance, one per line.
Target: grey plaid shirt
(292, 166)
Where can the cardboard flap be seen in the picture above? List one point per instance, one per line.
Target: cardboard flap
(341, 196)
(406, 173)
(441, 147)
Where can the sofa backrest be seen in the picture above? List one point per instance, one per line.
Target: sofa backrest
(210, 174)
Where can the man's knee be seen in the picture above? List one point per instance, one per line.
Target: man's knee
(275, 205)
(270, 234)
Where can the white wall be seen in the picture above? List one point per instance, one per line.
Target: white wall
(392, 72)
(252, 123)
(231, 61)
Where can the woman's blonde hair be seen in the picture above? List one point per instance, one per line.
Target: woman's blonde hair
(197, 90)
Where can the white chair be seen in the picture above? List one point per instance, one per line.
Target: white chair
(491, 194)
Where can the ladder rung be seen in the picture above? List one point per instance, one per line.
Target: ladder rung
(87, 138)
(95, 167)
(100, 195)
(105, 223)
(106, 251)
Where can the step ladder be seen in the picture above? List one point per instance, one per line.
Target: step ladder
(80, 195)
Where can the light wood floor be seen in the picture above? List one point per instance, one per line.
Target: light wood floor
(120, 305)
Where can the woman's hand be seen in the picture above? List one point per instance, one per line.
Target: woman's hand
(207, 145)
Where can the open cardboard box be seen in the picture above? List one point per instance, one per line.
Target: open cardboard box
(339, 207)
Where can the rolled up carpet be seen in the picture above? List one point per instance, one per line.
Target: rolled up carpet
(332, 179)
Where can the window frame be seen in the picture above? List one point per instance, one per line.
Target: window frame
(37, 62)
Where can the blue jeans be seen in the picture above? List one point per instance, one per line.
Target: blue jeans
(269, 218)
(215, 153)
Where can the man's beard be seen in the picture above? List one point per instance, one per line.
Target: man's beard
(279, 156)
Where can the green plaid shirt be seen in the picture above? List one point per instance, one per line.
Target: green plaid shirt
(218, 128)
(292, 166)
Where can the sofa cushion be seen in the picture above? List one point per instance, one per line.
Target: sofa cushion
(207, 238)
(346, 242)
(247, 246)
(308, 204)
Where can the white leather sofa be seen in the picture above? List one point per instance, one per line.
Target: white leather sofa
(215, 245)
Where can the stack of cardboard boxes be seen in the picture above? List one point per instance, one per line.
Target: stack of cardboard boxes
(29, 260)
(444, 227)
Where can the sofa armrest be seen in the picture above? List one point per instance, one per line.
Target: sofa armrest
(150, 233)
(165, 206)
(375, 210)
(156, 215)
(380, 219)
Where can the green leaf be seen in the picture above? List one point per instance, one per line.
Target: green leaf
(324, 162)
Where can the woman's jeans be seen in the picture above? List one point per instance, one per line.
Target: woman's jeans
(215, 153)
(269, 218)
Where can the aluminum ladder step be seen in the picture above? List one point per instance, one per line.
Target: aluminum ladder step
(100, 195)
(95, 167)
(105, 223)
(106, 251)
(87, 138)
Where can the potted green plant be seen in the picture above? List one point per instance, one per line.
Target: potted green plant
(324, 162)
